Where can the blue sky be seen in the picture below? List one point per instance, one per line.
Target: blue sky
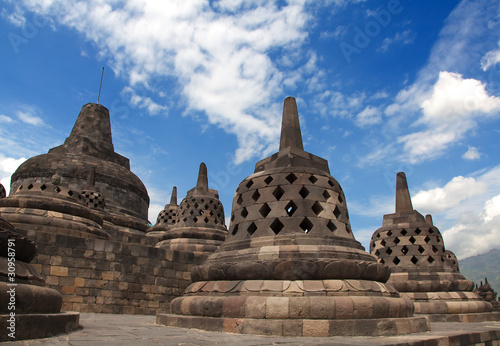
(381, 87)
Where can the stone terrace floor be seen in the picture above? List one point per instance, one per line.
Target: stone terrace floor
(106, 329)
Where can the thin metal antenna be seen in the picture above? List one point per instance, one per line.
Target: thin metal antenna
(100, 85)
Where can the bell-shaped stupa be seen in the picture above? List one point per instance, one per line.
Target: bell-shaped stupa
(200, 225)
(421, 268)
(89, 150)
(167, 217)
(291, 265)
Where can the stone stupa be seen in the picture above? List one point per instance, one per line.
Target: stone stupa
(200, 225)
(88, 151)
(421, 268)
(291, 265)
(166, 219)
(28, 310)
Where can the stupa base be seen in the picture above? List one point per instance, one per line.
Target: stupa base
(300, 327)
(38, 325)
(473, 317)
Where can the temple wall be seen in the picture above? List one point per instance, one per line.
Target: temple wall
(96, 275)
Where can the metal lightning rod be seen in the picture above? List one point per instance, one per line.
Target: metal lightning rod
(100, 85)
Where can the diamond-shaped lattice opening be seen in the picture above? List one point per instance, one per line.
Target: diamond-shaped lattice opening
(291, 178)
(303, 192)
(252, 228)
(396, 260)
(201, 212)
(313, 179)
(43, 187)
(235, 229)
(326, 195)
(191, 212)
(70, 193)
(290, 208)
(412, 240)
(403, 232)
(341, 200)
(58, 189)
(244, 212)
(306, 225)
(30, 186)
(278, 193)
(256, 195)
(382, 261)
(331, 226)
(206, 219)
(430, 259)
(249, 184)
(264, 210)
(434, 249)
(202, 200)
(383, 242)
(277, 226)
(205, 206)
(442, 259)
(421, 249)
(438, 239)
(418, 231)
(348, 229)
(336, 212)
(317, 208)
(195, 219)
(211, 213)
(378, 235)
(404, 250)
(377, 253)
(268, 180)
(396, 240)
(431, 231)
(389, 233)
(414, 260)
(196, 205)
(388, 251)
(427, 239)
(331, 183)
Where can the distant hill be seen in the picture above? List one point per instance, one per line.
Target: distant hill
(478, 267)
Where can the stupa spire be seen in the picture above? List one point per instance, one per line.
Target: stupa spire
(428, 219)
(290, 126)
(403, 199)
(173, 199)
(202, 183)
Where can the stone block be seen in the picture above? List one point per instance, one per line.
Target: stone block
(255, 307)
(316, 328)
(58, 271)
(299, 307)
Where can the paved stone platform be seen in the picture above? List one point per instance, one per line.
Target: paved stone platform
(106, 329)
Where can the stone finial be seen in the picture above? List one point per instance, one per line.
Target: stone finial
(93, 123)
(173, 199)
(290, 126)
(428, 219)
(202, 183)
(403, 199)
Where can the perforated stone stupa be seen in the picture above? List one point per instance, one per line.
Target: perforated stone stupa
(167, 217)
(27, 310)
(291, 265)
(421, 268)
(89, 150)
(200, 224)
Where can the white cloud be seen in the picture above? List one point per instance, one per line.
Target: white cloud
(218, 52)
(471, 154)
(449, 111)
(368, 116)
(490, 59)
(5, 119)
(29, 118)
(405, 37)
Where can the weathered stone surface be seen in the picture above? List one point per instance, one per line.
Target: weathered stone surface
(422, 269)
(89, 148)
(290, 255)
